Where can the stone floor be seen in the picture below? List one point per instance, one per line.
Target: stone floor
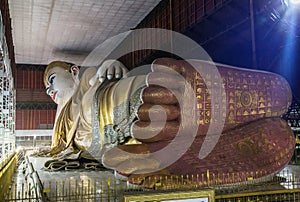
(77, 185)
(95, 185)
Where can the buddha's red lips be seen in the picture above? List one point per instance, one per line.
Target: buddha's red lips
(54, 96)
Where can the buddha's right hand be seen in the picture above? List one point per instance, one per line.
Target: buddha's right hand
(109, 69)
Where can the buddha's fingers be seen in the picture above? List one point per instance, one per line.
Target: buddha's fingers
(154, 131)
(138, 165)
(167, 65)
(121, 153)
(167, 80)
(160, 95)
(162, 113)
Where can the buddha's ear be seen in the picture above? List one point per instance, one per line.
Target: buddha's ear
(74, 71)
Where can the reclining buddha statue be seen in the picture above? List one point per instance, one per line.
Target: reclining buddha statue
(180, 119)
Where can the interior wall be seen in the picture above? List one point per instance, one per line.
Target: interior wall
(35, 109)
(4, 8)
(176, 15)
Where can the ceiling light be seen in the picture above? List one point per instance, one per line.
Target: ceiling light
(295, 1)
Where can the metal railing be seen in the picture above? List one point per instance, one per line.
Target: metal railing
(6, 172)
(112, 190)
(284, 186)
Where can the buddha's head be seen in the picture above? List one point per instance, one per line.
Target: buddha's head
(61, 80)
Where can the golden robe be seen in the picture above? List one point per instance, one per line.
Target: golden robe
(74, 125)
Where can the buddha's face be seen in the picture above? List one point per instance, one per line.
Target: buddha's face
(61, 84)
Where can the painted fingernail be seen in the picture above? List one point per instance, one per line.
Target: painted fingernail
(118, 75)
(109, 76)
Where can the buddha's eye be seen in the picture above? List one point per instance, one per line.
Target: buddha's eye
(51, 78)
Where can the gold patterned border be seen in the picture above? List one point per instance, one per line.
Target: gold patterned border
(207, 195)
